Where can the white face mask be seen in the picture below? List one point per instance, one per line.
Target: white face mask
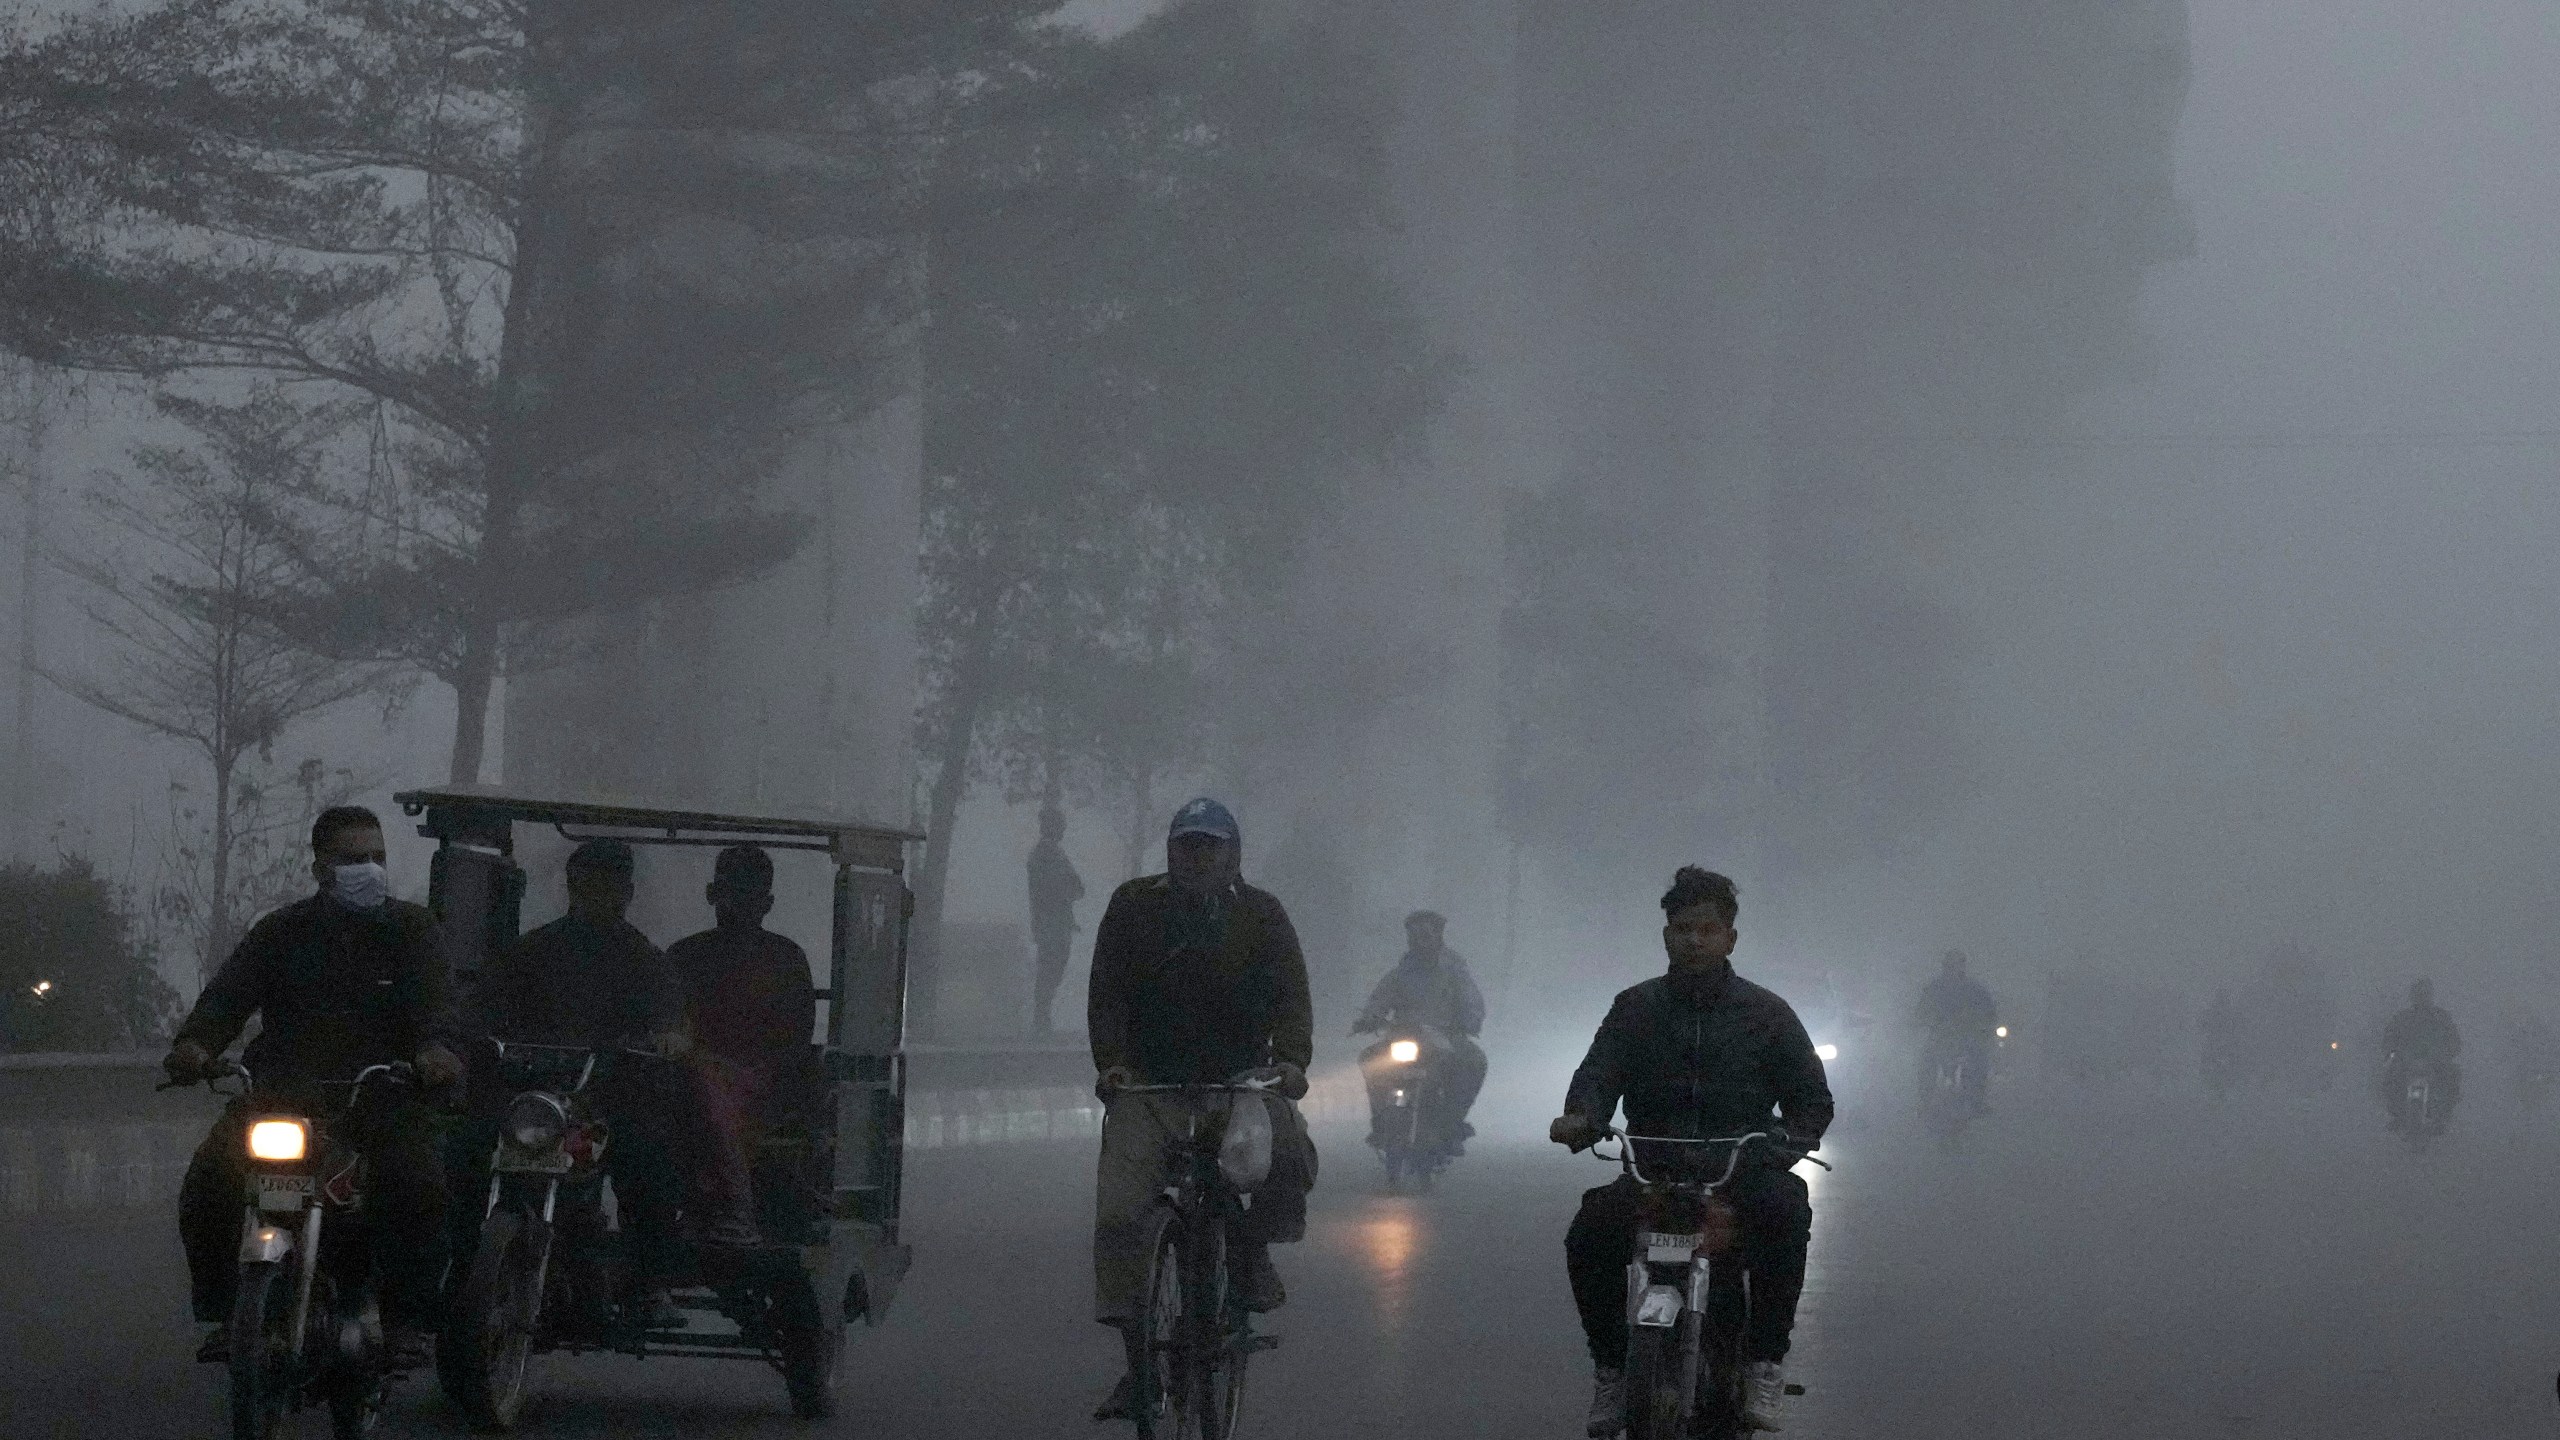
(362, 886)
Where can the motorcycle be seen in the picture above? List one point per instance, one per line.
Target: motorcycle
(306, 1323)
(1687, 1304)
(548, 1273)
(1946, 1094)
(1409, 1103)
(2421, 1095)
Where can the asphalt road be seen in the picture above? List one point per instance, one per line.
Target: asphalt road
(2081, 1268)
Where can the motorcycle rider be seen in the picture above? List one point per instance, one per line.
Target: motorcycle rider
(1957, 1016)
(1197, 978)
(342, 980)
(2422, 1034)
(590, 978)
(1698, 1052)
(752, 1009)
(1429, 988)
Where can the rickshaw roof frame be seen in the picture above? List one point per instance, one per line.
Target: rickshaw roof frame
(847, 842)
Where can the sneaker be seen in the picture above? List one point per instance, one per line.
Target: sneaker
(1764, 1395)
(1608, 1402)
(1256, 1279)
(216, 1349)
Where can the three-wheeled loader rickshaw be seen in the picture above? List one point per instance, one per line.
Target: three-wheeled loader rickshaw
(827, 1172)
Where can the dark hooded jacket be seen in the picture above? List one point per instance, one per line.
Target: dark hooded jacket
(1718, 1056)
(1190, 990)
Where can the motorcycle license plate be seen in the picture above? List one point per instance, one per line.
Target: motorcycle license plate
(1662, 1249)
(285, 1192)
(531, 1162)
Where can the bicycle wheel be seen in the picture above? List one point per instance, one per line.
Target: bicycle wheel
(1158, 1359)
(1215, 1340)
(263, 1365)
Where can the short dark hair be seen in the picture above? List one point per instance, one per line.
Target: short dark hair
(743, 867)
(1694, 886)
(335, 820)
(606, 854)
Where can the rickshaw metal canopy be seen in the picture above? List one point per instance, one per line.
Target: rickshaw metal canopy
(467, 808)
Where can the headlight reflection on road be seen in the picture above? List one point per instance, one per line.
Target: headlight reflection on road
(1386, 1238)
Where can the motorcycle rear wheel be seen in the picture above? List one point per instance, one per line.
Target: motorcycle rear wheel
(490, 1330)
(263, 1367)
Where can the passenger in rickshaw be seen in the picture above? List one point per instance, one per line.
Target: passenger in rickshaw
(752, 1008)
(590, 978)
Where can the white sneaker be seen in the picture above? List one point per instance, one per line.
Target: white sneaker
(1764, 1395)
(1608, 1403)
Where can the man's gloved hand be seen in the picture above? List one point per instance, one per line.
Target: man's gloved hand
(1283, 1079)
(1112, 1081)
(186, 1062)
(1576, 1133)
(439, 1068)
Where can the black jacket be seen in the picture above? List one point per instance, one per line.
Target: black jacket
(572, 983)
(1184, 993)
(1716, 1058)
(337, 990)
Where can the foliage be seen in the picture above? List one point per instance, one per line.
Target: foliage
(591, 268)
(1161, 334)
(74, 974)
(187, 655)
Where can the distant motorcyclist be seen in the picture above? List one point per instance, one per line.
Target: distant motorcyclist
(1431, 989)
(1957, 1017)
(2422, 1034)
(1197, 979)
(2533, 1058)
(345, 979)
(1694, 1053)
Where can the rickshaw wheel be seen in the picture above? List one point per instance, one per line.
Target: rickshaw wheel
(811, 1348)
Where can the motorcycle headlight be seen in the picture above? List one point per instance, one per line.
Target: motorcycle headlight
(1826, 1053)
(2002, 1033)
(279, 1140)
(536, 1121)
(1404, 1052)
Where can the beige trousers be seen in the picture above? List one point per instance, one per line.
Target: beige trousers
(1137, 1131)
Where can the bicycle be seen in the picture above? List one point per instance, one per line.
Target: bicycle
(1195, 1336)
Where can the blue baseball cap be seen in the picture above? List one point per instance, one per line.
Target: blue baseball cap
(1205, 816)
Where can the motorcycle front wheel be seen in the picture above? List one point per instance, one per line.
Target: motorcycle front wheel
(1658, 1382)
(263, 1365)
(488, 1339)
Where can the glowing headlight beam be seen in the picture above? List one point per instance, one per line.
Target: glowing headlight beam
(279, 1140)
(1827, 1053)
(2002, 1032)
(1404, 1052)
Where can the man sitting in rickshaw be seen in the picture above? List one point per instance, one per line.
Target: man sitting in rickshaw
(753, 1008)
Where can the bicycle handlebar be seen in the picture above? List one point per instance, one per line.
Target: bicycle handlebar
(217, 1069)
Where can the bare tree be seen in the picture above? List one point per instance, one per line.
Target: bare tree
(180, 596)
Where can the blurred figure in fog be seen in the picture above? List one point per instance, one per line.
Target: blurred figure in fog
(1957, 1016)
(2533, 1060)
(1429, 989)
(1055, 889)
(2224, 1033)
(2421, 1034)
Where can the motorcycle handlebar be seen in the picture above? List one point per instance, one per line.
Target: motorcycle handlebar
(1626, 1156)
(217, 1070)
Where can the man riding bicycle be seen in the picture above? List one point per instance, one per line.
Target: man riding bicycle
(1695, 1053)
(342, 980)
(1958, 1017)
(1197, 979)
